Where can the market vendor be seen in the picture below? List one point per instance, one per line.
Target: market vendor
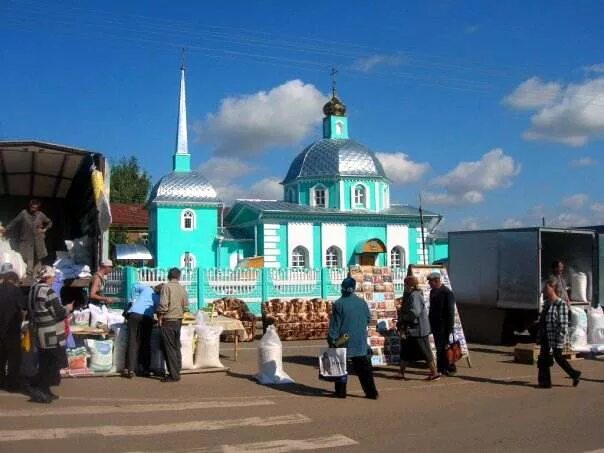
(28, 230)
(97, 286)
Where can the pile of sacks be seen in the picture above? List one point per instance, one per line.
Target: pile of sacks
(587, 329)
(298, 319)
(236, 309)
(8, 255)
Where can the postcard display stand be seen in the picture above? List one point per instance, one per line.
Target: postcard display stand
(421, 272)
(375, 285)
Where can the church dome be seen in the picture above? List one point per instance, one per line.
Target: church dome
(334, 107)
(183, 188)
(330, 157)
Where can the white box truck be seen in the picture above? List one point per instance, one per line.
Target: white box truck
(497, 276)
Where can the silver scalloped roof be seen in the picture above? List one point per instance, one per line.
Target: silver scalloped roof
(331, 157)
(183, 187)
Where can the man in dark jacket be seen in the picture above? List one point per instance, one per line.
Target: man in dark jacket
(350, 316)
(442, 318)
(12, 306)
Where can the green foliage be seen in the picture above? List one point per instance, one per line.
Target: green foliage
(129, 182)
(118, 237)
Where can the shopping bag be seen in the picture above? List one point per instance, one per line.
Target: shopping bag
(26, 340)
(454, 352)
(332, 364)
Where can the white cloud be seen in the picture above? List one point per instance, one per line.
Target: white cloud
(594, 68)
(598, 211)
(567, 220)
(367, 64)
(225, 169)
(470, 223)
(572, 114)
(467, 183)
(576, 201)
(583, 162)
(471, 29)
(533, 93)
(400, 169)
(513, 223)
(267, 188)
(251, 124)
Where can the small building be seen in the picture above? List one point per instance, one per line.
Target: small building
(131, 219)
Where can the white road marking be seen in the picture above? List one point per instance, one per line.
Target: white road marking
(132, 408)
(148, 430)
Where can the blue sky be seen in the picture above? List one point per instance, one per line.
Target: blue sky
(494, 111)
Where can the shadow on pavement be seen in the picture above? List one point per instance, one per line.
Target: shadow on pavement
(301, 360)
(491, 351)
(498, 381)
(294, 389)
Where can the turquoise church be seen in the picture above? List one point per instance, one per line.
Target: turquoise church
(336, 211)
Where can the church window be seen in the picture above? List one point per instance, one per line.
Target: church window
(333, 257)
(187, 220)
(291, 195)
(300, 257)
(397, 258)
(188, 261)
(386, 198)
(339, 128)
(360, 197)
(320, 197)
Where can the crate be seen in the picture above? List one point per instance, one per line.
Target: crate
(526, 353)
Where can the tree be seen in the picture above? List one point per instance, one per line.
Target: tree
(129, 182)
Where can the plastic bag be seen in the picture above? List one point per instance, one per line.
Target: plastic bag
(187, 336)
(578, 287)
(120, 347)
(115, 317)
(15, 258)
(270, 364)
(101, 355)
(76, 358)
(332, 363)
(81, 317)
(207, 354)
(99, 316)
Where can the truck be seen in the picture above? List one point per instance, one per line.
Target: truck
(498, 275)
(61, 177)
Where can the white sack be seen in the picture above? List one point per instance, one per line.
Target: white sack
(81, 317)
(10, 256)
(207, 354)
(101, 355)
(187, 335)
(115, 317)
(578, 287)
(270, 364)
(120, 347)
(578, 328)
(99, 316)
(595, 325)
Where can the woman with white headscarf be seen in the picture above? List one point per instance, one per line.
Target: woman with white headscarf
(47, 318)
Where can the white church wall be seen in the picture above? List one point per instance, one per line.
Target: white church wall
(271, 245)
(397, 235)
(333, 234)
(300, 234)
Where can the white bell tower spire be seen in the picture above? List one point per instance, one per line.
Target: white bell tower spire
(182, 158)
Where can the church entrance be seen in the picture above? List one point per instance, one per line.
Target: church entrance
(368, 252)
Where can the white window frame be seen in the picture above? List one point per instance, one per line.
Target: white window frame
(386, 197)
(313, 196)
(193, 258)
(353, 197)
(299, 252)
(184, 216)
(330, 253)
(402, 257)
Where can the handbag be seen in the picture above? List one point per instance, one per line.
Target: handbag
(332, 364)
(454, 352)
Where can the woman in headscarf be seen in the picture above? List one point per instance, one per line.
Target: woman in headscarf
(414, 327)
(47, 320)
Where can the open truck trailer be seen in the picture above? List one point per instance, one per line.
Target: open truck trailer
(498, 275)
(61, 178)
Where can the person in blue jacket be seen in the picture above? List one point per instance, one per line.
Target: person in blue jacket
(140, 324)
(350, 315)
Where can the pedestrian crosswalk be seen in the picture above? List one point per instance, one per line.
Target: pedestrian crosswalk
(197, 426)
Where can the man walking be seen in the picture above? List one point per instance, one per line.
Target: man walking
(13, 304)
(442, 318)
(173, 303)
(350, 315)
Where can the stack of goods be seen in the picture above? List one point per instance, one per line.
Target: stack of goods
(375, 285)
(8, 255)
(236, 309)
(298, 319)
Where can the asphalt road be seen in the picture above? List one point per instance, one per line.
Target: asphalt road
(493, 406)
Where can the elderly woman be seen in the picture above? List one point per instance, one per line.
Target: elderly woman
(414, 328)
(553, 331)
(47, 320)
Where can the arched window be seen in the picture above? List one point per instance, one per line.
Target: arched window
(319, 197)
(397, 258)
(187, 220)
(360, 197)
(291, 195)
(339, 128)
(300, 257)
(188, 261)
(386, 198)
(333, 257)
